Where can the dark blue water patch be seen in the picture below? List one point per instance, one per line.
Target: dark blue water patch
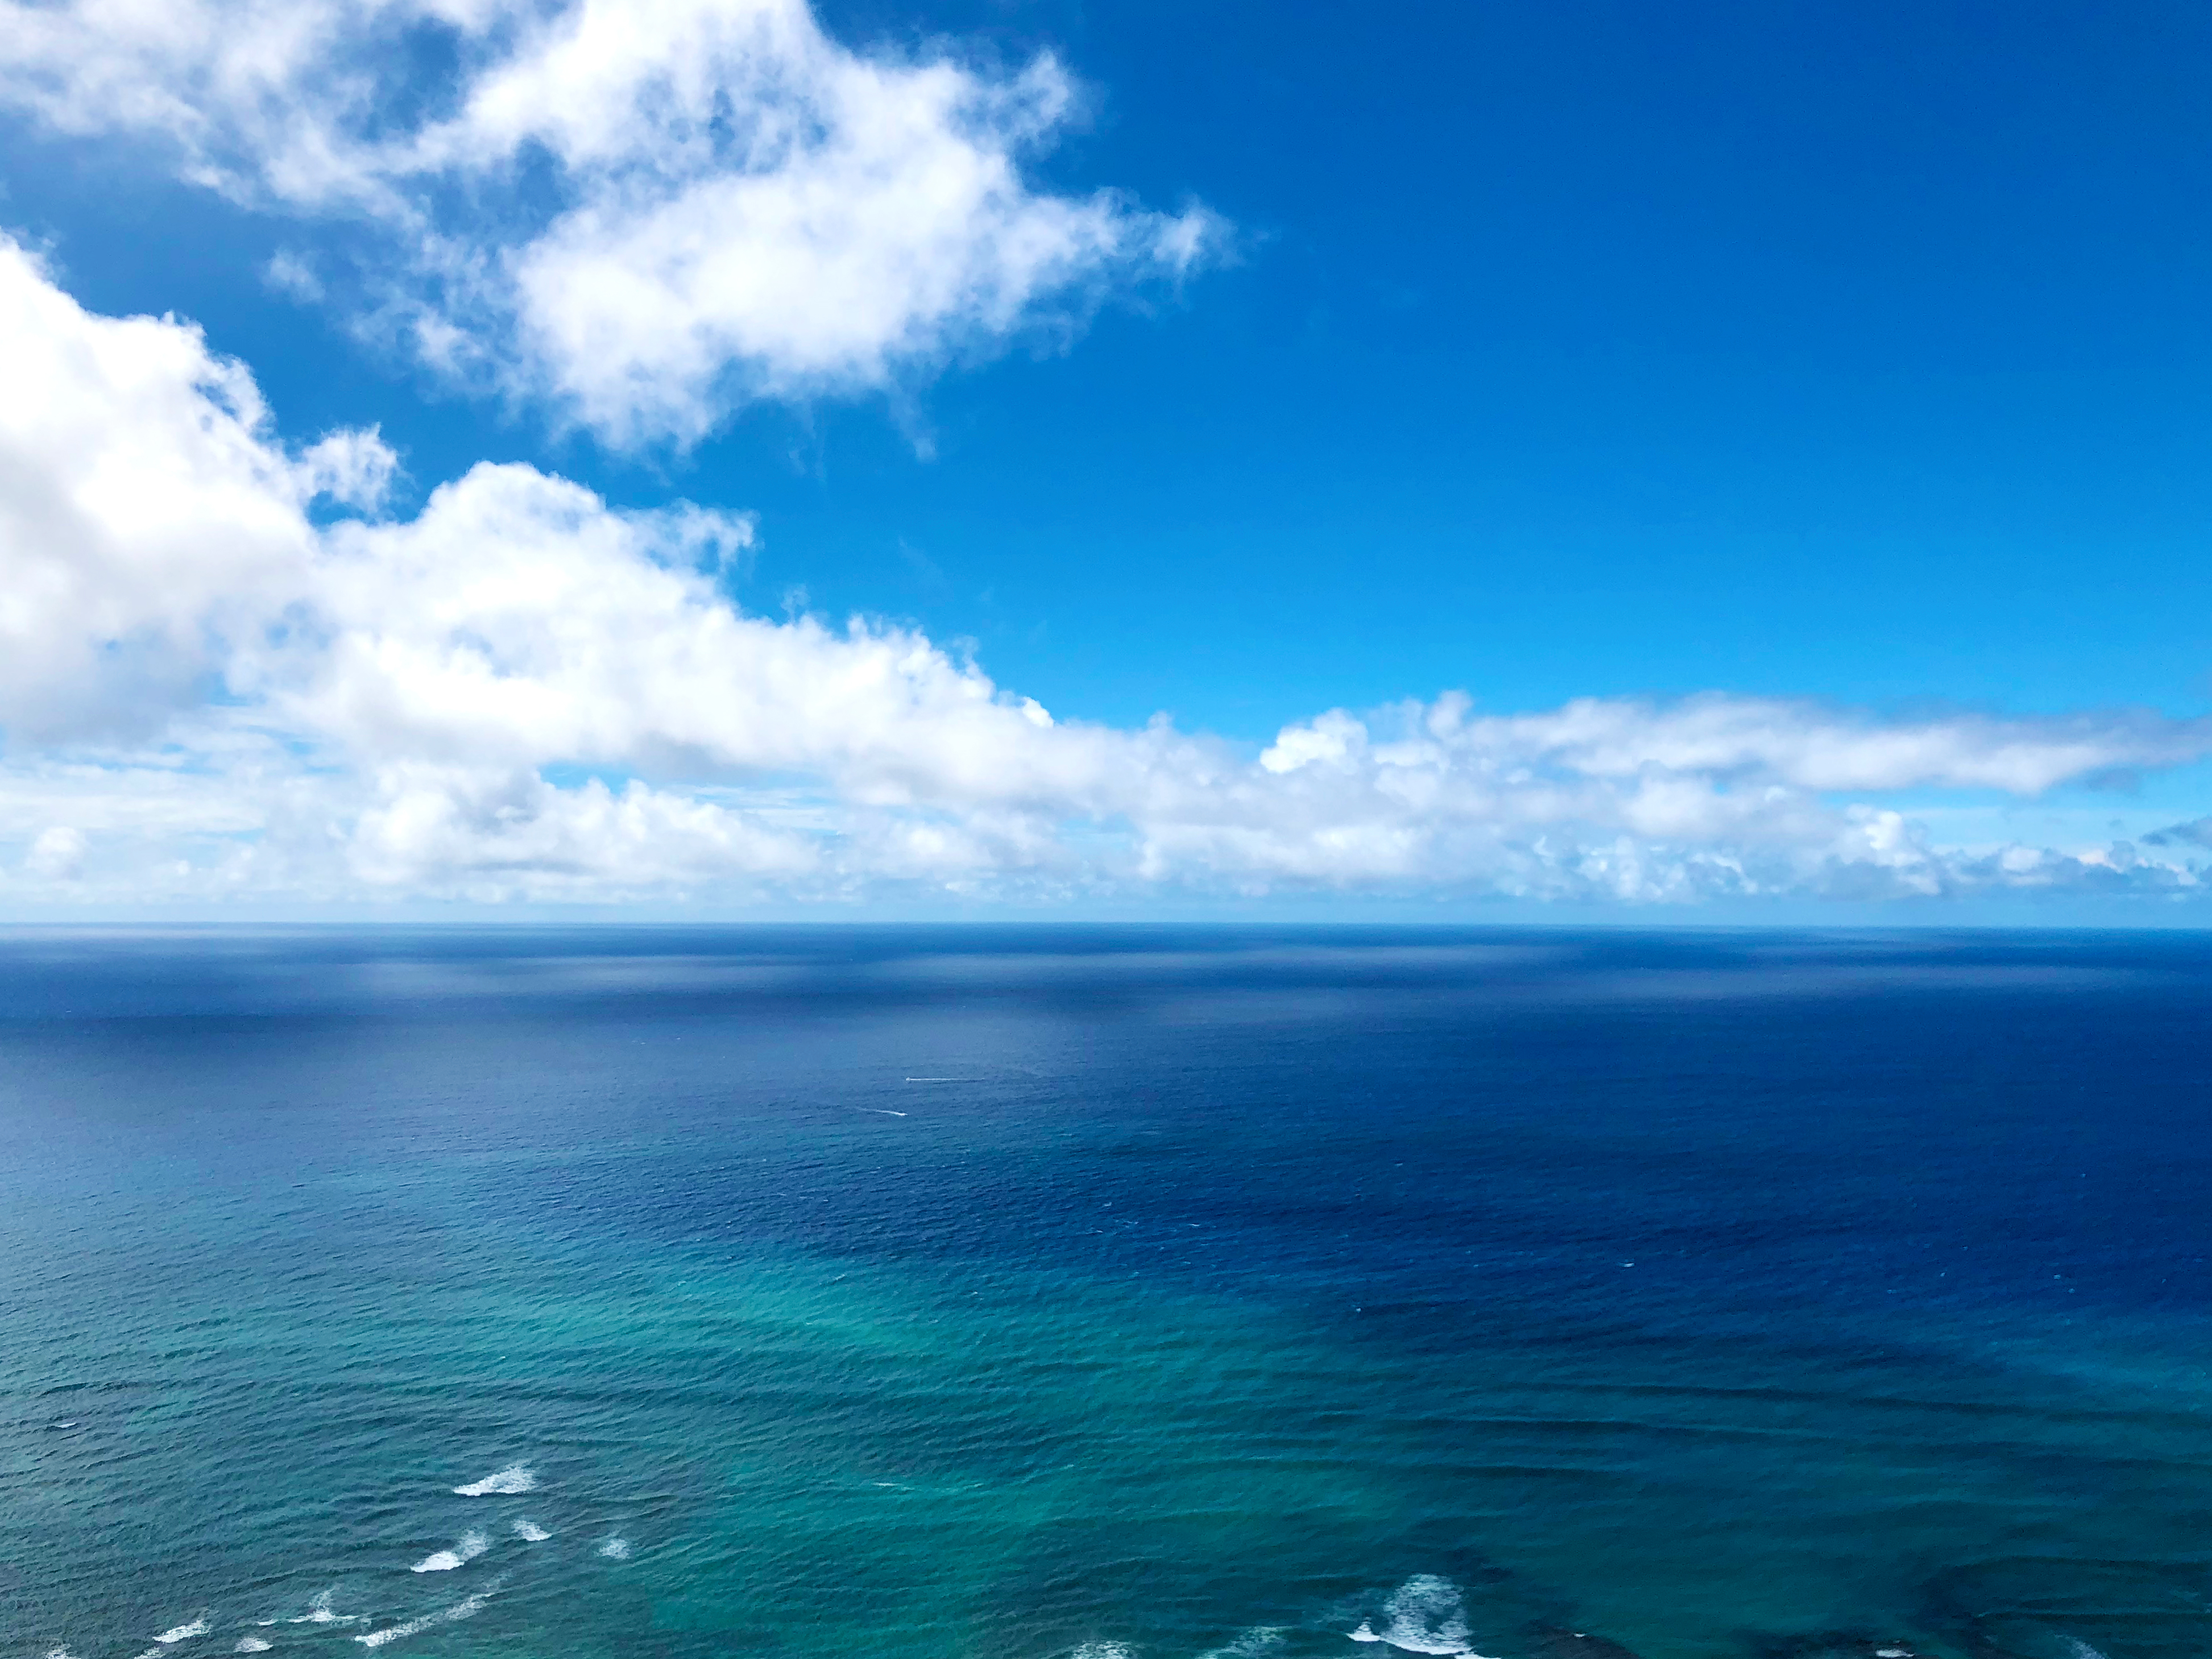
(1022, 1291)
(88, 973)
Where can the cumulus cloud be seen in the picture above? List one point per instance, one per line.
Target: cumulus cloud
(140, 504)
(649, 214)
(207, 689)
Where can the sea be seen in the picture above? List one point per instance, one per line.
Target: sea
(1104, 1292)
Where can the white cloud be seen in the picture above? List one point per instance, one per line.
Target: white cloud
(482, 833)
(140, 499)
(522, 693)
(56, 854)
(649, 214)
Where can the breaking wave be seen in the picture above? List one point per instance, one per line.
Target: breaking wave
(319, 1611)
(514, 1478)
(1425, 1614)
(471, 1546)
(1253, 1644)
(459, 1611)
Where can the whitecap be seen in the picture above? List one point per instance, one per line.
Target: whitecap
(184, 1633)
(459, 1610)
(531, 1533)
(1104, 1651)
(319, 1611)
(1252, 1643)
(251, 1644)
(471, 1546)
(616, 1549)
(514, 1478)
(60, 1653)
(1425, 1614)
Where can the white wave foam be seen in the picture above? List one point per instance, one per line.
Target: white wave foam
(530, 1531)
(616, 1549)
(184, 1632)
(1425, 1614)
(514, 1478)
(319, 1611)
(459, 1611)
(471, 1546)
(60, 1653)
(1104, 1651)
(251, 1644)
(2079, 1649)
(1259, 1640)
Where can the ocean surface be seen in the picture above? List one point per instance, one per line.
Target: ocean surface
(1104, 1293)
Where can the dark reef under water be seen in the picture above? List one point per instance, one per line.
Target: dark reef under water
(1122, 1293)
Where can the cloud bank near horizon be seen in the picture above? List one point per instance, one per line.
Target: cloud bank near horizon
(227, 673)
(640, 217)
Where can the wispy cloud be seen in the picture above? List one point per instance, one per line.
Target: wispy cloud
(648, 215)
(2198, 832)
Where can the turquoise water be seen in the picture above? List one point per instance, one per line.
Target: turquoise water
(963, 1292)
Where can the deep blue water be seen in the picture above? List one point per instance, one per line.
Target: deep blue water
(1135, 1293)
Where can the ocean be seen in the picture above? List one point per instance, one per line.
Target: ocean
(1052, 1292)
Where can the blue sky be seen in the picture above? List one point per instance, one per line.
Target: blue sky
(1839, 359)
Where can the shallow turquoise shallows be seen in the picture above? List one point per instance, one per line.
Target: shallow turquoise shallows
(1105, 1294)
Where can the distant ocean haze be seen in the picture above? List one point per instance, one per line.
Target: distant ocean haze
(1128, 1293)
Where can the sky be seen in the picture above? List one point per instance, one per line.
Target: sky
(487, 458)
